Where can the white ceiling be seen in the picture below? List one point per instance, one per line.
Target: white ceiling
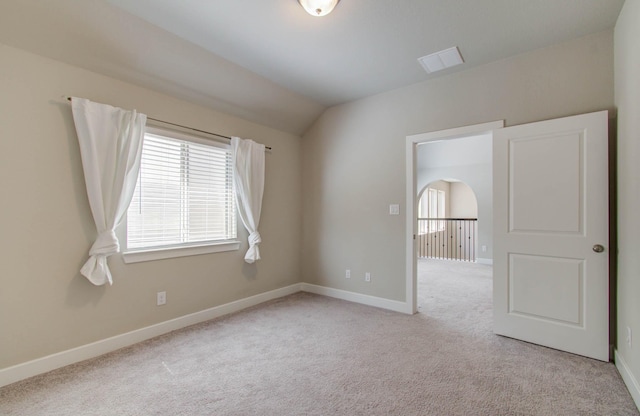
(271, 62)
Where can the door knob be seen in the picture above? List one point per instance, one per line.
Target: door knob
(598, 248)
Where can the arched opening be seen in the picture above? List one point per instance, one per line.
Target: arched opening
(447, 221)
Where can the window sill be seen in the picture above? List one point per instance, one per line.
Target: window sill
(172, 252)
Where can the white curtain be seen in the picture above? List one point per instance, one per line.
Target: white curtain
(248, 179)
(110, 145)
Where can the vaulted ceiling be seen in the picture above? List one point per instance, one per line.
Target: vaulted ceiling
(272, 63)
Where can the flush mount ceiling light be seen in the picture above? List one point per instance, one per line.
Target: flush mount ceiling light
(441, 60)
(318, 7)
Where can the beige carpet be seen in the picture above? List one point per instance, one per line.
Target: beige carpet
(311, 355)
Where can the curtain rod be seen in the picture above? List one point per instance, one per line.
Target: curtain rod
(184, 127)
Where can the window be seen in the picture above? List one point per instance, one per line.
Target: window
(432, 205)
(433, 202)
(183, 199)
(440, 211)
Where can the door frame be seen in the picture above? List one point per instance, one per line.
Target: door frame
(412, 142)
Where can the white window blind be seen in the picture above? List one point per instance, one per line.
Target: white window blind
(184, 194)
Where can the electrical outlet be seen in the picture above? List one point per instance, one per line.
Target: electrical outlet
(629, 339)
(348, 274)
(161, 298)
(484, 249)
(367, 277)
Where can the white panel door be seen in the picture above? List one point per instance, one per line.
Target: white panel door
(551, 283)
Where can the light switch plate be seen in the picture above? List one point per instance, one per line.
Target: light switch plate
(394, 209)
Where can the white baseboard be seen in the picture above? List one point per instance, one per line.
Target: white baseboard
(42, 365)
(628, 378)
(51, 362)
(484, 261)
(393, 305)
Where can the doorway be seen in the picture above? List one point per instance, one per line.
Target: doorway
(446, 154)
(553, 245)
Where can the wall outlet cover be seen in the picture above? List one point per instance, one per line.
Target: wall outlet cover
(161, 298)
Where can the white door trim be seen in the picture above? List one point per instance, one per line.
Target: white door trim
(412, 142)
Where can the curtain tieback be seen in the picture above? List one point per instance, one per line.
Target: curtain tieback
(253, 253)
(254, 239)
(105, 245)
(96, 269)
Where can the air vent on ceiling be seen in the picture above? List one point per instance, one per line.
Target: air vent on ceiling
(441, 60)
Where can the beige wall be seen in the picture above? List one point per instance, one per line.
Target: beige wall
(463, 201)
(354, 154)
(46, 306)
(627, 99)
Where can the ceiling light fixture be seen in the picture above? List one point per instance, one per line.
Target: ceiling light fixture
(318, 7)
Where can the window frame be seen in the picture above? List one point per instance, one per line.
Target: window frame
(135, 255)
